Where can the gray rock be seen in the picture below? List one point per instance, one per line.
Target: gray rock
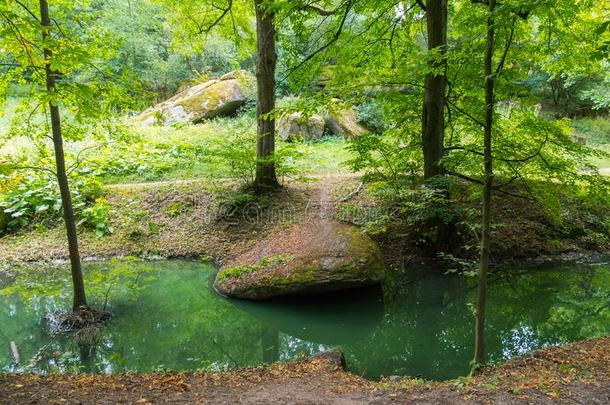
(344, 123)
(294, 127)
(212, 98)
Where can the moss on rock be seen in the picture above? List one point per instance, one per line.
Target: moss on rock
(239, 270)
(343, 122)
(296, 127)
(212, 98)
(335, 257)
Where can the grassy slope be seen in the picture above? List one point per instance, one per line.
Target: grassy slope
(194, 218)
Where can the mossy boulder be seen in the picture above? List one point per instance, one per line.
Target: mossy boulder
(212, 98)
(327, 74)
(296, 127)
(310, 258)
(343, 122)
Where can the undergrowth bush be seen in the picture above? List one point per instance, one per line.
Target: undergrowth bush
(35, 200)
(370, 115)
(238, 155)
(140, 160)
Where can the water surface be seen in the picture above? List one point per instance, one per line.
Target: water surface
(167, 317)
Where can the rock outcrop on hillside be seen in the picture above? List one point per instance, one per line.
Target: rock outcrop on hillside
(295, 127)
(212, 98)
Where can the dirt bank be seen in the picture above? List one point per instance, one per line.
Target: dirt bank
(576, 373)
(195, 218)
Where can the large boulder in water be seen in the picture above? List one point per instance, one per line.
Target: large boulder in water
(212, 98)
(310, 258)
(296, 127)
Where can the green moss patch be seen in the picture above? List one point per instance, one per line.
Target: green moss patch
(236, 272)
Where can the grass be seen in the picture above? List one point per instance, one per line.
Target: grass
(148, 154)
(596, 132)
(139, 154)
(215, 138)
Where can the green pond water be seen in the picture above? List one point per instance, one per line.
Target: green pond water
(165, 316)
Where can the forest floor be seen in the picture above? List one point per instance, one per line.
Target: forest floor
(578, 373)
(193, 218)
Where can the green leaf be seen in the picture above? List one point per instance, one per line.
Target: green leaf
(42, 208)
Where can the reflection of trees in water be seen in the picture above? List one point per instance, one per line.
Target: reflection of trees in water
(418, 332)
(582, 308)
(174, 322)
(291, 347)
(424, 327)
(427, 326)
(270, 344)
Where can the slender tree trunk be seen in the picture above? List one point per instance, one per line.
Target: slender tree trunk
(479, 347)
(433, 115)
(266, 60)
(80, 299)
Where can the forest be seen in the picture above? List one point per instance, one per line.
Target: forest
(304, 201)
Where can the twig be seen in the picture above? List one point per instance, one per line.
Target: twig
(326, 45)
(44, 169)
(353, 193)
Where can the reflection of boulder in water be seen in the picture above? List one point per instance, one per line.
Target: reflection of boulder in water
(330, 319)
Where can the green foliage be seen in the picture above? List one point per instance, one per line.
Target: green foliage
(596, 131)
(370, 115)
(239, 271)
(142, 160)
(36, 200)
(145, 46)
(178, 208)
(97, 217)
(208, 20)
(238, 155)
(385, 158)
(429, 202)
(88, 87)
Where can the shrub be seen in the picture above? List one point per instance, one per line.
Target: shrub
(238, 155)
(96, 217)
(36, 200)
(141, 160)
(595, 130)
(370, 115)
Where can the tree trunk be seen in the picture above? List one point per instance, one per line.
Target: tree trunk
(479, 347)
(433, 115)
(80, 299)
(266, 60)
